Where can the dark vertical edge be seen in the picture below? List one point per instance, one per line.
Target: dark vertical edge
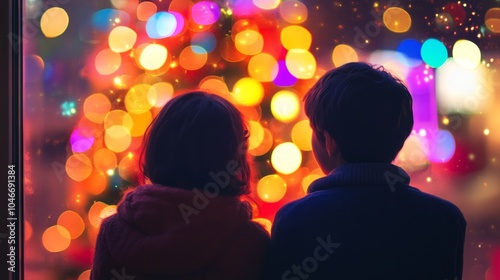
(15, 111)
(5, 131)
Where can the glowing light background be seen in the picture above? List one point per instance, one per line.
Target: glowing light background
(98, 72)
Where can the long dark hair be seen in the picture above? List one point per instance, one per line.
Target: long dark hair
(197, 135)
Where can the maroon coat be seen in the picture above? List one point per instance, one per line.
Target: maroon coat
(167, 233)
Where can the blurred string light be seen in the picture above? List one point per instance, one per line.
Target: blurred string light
(68, 108)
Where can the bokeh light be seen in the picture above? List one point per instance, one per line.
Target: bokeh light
(107, 62)
(78, 167)
(265, 223)
(86, 274)
(104, 159)
(193, 57)
(216, 85)
(301, 63)
(228, 50)
(265, 145)
(56, 239)
(296, 37)
(145, 10)
(461, 90)
(302, 134)
(94, 214)
(106, 19)
(107, 211)
(140, 123)
(267, 4)
(80, 142)
(153, 56)
(205, 12)
(492, 20)
(28, 230)
(127, 167)
(161, 25)
(263, 67)
(72, 222)
(117, 138)
(122, 39)
(308, 179)
(285, 106)
(160, 93)
(343, 54)
(284, 78)
(248, 91)
(467, 54)
(118, 117)
(293, 11)
(411, 49)
(249, 42)
(96, 183)
(434, 53)
(271, 188)
(96, 106)
(256, 134)
(136, 100)
(286, 158)
(54, 22)
(397, 20)
(442, 146)
(205, 40)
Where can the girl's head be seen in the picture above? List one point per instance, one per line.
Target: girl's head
(195, 136)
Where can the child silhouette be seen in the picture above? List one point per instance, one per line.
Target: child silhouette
(189, 221)
(363, 220)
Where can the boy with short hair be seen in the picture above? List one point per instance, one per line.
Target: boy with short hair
(363, 220)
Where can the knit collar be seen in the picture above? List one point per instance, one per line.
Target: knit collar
(348, 174)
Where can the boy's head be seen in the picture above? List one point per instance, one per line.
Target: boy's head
(360, 112)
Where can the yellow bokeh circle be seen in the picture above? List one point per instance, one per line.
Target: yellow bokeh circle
(72, 222)
(286, 158)
(301, 63)
(343, 54)
(296, 37)
(78, 167)
(271, 188)
(122, 39)
(249, 42)
(248, 91)
(96, 106)
(56, 239)
(263, 67)
(285, 106)
(54, 22)
(302, 134)
(117, 138)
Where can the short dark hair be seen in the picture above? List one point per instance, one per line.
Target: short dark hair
(194, 134)
(365, 109)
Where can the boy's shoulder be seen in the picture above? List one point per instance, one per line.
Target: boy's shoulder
(408, 199)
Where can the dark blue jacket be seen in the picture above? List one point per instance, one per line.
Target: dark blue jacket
(363, 221)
